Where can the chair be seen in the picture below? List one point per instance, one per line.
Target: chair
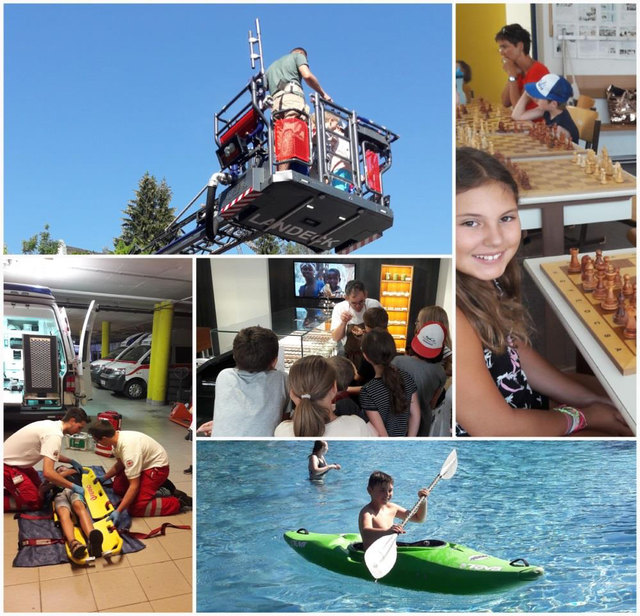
(585, 102)
(586, 120)
(203, 342)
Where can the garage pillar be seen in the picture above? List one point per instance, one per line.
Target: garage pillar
(106, 333)
(160, 353)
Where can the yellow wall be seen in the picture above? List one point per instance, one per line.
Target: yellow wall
(476, 27)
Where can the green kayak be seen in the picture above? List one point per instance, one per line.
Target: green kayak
(432, 565)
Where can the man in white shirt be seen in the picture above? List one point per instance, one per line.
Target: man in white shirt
(347, 316)
(141, 469)
(39, 440)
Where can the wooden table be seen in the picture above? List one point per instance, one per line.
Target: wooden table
(562, 194)
(621, 389)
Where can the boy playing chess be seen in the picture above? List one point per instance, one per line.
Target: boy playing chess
(550, 94)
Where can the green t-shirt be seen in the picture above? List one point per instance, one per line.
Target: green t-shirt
(285, 69)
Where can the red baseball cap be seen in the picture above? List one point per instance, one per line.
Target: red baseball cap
(429, 341)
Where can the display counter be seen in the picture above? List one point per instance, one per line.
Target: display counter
(300, 331)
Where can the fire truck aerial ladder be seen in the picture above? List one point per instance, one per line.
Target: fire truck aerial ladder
(330, 198)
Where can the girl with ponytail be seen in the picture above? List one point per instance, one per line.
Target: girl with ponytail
(390, 399)
(312, 387)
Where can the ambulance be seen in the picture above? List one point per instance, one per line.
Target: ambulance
(43, 374)
(129, 374)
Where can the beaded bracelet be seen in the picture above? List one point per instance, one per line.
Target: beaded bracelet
(575, 418)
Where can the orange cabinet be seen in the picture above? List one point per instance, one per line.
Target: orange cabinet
(396, 284)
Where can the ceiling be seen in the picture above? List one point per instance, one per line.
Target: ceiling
(125, 287)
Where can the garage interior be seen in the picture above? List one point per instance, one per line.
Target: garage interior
(159, 577)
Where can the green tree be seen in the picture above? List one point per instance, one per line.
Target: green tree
(146, 216)
(40, 244)
(266, 245)
(272, 245)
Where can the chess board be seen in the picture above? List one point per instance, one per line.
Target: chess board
(521, 145)
(621, 350)
(561, 176)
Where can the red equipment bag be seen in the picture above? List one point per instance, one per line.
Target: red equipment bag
(372, 163)
(115, 419)
(292, 140)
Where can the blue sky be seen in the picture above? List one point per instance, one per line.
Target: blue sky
(96, 95)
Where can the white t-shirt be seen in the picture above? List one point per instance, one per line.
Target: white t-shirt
(345, 425)
(357, 318)
(139, 452)
(37, 440)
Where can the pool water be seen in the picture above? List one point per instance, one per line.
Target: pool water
(568, 506)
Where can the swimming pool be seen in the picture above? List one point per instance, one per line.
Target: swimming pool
(569, 506)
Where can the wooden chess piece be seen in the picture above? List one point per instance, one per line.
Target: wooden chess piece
(617, 173)
(588, 278)
(603, 176)
(620, 317)
(627, 287)
(610, 274)
(629, 331)
(583, 264)
(600, 291)
(618, 278)
(609, 167)
(574, 264)
(609, 302)
(599, 260)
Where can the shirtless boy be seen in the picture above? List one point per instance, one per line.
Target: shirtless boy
(377, 518)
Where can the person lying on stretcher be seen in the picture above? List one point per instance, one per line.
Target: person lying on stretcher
(71, 506)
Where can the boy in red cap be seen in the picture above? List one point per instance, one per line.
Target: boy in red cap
(424, 363)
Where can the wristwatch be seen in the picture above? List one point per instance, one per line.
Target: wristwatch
(512, 78)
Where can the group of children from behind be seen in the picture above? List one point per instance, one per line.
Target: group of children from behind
(332, 397)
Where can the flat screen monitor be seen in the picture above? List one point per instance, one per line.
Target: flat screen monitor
(322, 279)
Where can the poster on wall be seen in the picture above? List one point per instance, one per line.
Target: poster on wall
(590, 31)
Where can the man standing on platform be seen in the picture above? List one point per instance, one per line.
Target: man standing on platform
(284, 80)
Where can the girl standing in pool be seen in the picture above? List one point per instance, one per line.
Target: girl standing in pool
(318, 466)
(503, 384)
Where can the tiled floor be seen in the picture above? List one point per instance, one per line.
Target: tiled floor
(156, 579)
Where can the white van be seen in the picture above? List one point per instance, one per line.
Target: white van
(98, 364)
(42, 373)
(129, 374)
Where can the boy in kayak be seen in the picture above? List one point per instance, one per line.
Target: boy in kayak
(377, 518)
